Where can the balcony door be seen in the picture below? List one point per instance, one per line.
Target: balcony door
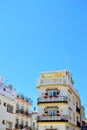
(52, 93)
(52, 111)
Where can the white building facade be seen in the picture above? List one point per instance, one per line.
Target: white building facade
(58, 102)
(7, 106)
(14, 109)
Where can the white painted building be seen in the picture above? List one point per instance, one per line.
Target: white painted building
(7, 106)
(34, 120)
(14, 109)
(58, 102)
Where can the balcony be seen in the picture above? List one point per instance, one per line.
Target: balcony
(24, 98)
(46, 81)
(8, 129)
(18, 111)
(21, 111)
(21, 126)
(17, 126)
(47, 118)
(26, 113)
(62, 81)
(78, 123)
(50, 99)
(77, 109)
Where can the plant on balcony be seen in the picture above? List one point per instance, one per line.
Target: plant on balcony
(56, 96)
(44, 115)
(45, 96)
(58, 114)
(50, 96)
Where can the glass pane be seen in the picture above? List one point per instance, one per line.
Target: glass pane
(54, 93)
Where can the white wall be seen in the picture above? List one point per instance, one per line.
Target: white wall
(4, 115)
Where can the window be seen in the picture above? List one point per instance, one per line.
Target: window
(17, 106)
(74, 116)
(26, 123)
(52, 93)
(77, 104)
(3, 122)
(4, 103)
(9, 125)
(0, 101)
(33, 124)
(22, 122)
(22, 107)
(52, 111)
(73, 100)
(17, 121)
(9, 108)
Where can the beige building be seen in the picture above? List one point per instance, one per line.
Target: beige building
(58, 102)
(22, 112)
(82, 114)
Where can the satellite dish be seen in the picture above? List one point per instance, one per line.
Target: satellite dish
(10, 86)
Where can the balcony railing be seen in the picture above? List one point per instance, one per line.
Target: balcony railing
(20, 126)
(17, 126)
(48, 81)
(77, 109)
(18, 111)
(22, 97)
(8, 129)
(47, 99)
(47, 118)
(21, 111)
(26, 113)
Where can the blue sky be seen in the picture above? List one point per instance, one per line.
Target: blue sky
(43, 35)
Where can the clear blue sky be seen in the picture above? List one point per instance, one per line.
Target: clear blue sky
(43, 35)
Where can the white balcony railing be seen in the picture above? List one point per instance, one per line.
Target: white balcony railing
(46, 81)
(62, 81)
(48, 99)
(47, 118)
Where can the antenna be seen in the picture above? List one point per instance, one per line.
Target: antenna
(6, 81)
(67, 63)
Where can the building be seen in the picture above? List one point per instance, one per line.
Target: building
(34, 120)
(82, 114)
(14, 109)
(58, 102)
(22, 112)
(7, 106)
